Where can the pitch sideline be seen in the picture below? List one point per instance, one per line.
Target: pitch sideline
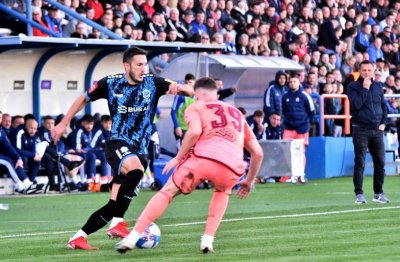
(227, 220)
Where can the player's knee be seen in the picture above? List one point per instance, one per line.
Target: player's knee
(132, 180)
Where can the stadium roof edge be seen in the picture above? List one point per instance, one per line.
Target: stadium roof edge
(21, 42)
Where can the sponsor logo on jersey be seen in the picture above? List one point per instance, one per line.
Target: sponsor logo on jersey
(118, 95)
(93, 87)
(130, 109)
(226, 133)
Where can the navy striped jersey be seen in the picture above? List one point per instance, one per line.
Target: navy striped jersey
(132, 107)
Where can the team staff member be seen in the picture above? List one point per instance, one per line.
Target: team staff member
(368, 117)
(298, 110)
(132, 100)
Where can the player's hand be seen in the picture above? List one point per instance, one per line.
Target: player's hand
(234, 89)
(170, 165)
(178, 132)
(381, 127)
(57, 132)
(173, 89)
(244, 189)
(367, 83)
(37, 158)
(19, 163)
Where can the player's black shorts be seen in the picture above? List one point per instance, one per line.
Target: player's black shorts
(116, 151)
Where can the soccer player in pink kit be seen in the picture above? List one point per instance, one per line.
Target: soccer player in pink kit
(217, 133)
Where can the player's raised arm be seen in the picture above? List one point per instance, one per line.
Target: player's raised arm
(78, 105)
(180, 89)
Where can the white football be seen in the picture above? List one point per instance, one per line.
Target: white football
(150, 237)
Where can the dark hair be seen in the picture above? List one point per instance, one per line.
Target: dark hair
(105, 118)
(365, 62)
(131, 52)
(258, 113)
(87, 118)
(206, 83)
(275, 113)
(47, 118)
(241, 109)
(189, 76)
(29, 116)
(15, 117)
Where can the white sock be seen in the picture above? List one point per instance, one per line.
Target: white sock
(80, 233)
(133, 236)
(115, 221)
(19, 186)
(27, 183)
(75, 179)
(207, 238)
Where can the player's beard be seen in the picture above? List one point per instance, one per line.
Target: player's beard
(133, 77)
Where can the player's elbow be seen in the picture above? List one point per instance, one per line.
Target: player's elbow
(257, 155)
(195, 132)
(255, 150)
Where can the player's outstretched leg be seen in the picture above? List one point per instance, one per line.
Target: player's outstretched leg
(154, 209)
(96, 221)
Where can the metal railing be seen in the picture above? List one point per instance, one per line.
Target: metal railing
(346, 115)
(29, 22)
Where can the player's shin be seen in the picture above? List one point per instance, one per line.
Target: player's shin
(127, 191)
(100, 218)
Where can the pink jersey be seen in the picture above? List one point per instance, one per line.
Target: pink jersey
(224, 133)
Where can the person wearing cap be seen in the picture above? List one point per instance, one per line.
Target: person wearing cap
(229, 28)
(298, 28)
(53, 21)
(298, 111)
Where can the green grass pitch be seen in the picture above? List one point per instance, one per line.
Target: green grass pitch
(317, 221)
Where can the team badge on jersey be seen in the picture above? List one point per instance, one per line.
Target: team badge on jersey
(146, 95)
(93, 87)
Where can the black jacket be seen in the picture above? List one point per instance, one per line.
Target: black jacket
(367, 107)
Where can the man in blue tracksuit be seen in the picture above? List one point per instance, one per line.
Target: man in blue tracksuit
(273, 95)
(298, 110)
(369, 113)
(12, 161)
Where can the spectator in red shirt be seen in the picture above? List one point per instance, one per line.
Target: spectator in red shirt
(97, 7)
(37, 17)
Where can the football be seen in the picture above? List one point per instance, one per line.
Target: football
(150, 237)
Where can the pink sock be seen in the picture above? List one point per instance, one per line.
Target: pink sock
(153, 210)
(218, 205)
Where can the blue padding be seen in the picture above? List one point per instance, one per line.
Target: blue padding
(36, 77)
